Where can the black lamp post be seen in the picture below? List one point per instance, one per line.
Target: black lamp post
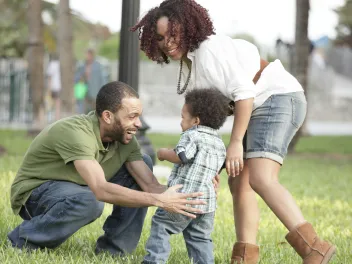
(129, 62)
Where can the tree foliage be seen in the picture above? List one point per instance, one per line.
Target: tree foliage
(110, 48)
(344, 26)
(13, 35)
(14, 29)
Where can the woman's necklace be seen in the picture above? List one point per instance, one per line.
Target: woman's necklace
(179, 90)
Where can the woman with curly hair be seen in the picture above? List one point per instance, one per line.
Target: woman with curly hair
(269, 106)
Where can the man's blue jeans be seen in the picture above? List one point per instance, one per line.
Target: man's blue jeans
(57, 209)
(196, 232)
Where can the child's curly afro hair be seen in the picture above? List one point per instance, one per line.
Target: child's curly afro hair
(210, 105)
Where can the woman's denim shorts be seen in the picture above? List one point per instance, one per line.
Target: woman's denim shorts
(273, 125)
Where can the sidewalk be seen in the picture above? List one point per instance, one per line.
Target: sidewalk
(171, 125)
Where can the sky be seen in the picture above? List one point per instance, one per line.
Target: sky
(264, 20)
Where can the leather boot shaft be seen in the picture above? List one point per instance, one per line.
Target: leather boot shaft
(309, 246)
(245, 253)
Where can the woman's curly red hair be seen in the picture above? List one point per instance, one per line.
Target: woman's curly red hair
(194, 20)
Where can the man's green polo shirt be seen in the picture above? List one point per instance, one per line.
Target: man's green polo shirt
(51, 154)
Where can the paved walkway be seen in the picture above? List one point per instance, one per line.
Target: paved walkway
(171, 125)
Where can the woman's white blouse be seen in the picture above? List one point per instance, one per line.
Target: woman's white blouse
(230, 65)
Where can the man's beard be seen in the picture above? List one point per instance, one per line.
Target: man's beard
(117, 132)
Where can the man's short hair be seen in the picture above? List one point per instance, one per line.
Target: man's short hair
(209, 105)
(110, 96)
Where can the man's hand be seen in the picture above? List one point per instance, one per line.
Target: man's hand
(170, 200)
(175, 202)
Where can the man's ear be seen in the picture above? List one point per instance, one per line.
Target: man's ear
(197, 121)
(107, 116)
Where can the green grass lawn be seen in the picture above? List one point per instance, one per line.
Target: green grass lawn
(321, 185)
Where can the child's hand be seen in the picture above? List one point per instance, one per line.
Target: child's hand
(160, 154)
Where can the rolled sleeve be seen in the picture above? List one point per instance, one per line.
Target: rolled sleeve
(241, 93)
(186, 147)
(134, 156)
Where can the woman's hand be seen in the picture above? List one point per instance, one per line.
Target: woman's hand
(234, 158)
(216, 183)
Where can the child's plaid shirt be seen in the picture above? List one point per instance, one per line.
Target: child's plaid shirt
(202, 153)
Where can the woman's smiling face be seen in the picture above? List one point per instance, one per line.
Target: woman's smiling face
(168, 44)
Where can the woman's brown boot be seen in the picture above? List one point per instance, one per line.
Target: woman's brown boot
(309, 246)
(245, 253)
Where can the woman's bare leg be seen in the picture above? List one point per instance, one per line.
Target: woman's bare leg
(264, 181)
(245, 207)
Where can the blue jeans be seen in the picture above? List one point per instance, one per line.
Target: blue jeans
(80, 105)
(196, 232)
(57, 209)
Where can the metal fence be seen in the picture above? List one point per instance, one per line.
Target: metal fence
(15, 99)
(329, 82)
(340, 59)
(337, 57)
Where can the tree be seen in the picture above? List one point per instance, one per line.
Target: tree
(36, 61)
(14, 27)
(301, 53)
(344, 26)
(65, 39)
(108, 49)
(13, 35)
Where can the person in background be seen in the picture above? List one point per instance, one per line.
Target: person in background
(54, 83)
(80, 91)
(92, 74)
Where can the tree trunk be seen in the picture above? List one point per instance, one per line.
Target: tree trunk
(65, 38)
(36, 61)
(301, 54)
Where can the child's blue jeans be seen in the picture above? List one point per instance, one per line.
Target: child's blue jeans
(196, 232)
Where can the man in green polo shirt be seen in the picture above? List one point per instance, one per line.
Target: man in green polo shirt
(76, 164)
